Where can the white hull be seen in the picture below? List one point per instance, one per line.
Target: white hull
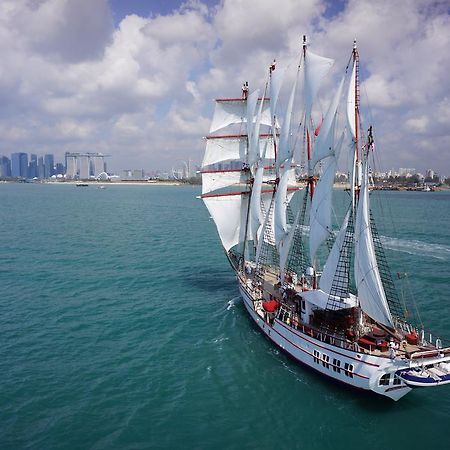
(359, 370)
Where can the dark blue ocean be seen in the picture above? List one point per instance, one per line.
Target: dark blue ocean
(121, 328)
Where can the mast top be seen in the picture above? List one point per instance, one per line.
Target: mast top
(354, 44)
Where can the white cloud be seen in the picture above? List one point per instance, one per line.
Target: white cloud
(142, 91)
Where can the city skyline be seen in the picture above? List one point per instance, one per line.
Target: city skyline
(137, 79)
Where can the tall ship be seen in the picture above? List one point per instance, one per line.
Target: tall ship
(323, 294)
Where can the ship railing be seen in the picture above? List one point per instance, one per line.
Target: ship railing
(291, 319)
(425, 338)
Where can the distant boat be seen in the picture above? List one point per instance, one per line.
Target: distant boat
(82, 185)
(345, 318)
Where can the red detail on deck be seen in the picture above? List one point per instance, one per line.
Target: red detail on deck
(271, 305)
(411, 338)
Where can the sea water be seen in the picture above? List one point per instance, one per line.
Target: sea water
(121, 327)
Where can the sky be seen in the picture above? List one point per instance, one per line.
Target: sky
(136, 79)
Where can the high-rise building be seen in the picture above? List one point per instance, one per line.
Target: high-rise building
(84, 167)
(98, 164)
(49, 163)
(59, 169)
(41, 168)
(5, 166)
(32, 166)
(71, 166)
(19, 165)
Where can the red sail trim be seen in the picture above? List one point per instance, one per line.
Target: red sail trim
(236, 136)
(224, 194)
(228, 194)
(240, 99)
(221, 171)
(237, 170)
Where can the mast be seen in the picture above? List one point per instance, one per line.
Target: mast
(308, 138)
(357, 165)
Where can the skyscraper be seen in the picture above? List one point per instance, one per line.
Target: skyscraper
(41, 171)
(19, 165)
(49, 163)
(32, 167)
(5, 166)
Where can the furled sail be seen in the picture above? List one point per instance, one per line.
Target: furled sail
(316, 67)
(371, 293)
(231, 111)
(229, 215)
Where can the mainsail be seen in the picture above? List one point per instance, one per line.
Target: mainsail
(370, 289)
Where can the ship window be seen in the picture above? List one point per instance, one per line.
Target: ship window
(384, 380)
(326, 361)
(397, 381)
(303, 305)
(348, 370)
(316, 356)
(337, 365)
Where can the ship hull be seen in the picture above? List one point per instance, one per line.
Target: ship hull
(354, 369)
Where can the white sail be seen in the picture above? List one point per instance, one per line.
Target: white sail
(220, 149)
(351, 102)
(284, 151)
(285, 246)
(233, 148)
(324, 143)
(281, 202)
(251, 106)
(276, 81)
(230, 111)
(320, 215)
(229, 215)
(371, 295)
(321, 205)
(251, 142)
(316, 67)
(256, 215)
(255, 148)
(330, 268)
(212, 181)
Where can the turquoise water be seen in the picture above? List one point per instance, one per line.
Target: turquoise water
(120, 327)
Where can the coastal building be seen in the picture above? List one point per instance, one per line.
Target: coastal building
(132, 175)
(84, 165)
